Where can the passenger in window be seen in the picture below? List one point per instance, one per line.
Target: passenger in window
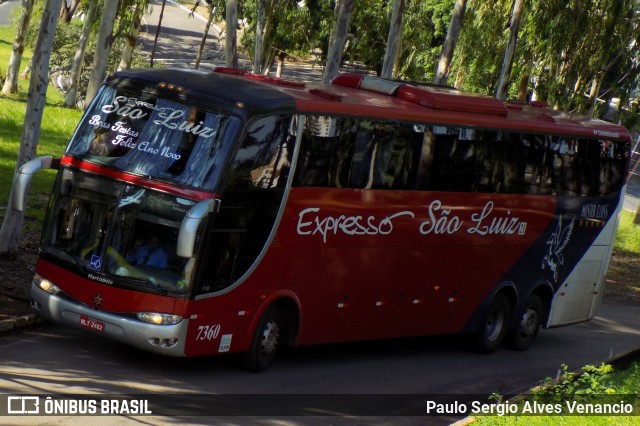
(150, 254)
(100, 145)
(113, 141)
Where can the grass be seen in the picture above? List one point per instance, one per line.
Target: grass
(58, 124)
(628, 237)
(594, 384)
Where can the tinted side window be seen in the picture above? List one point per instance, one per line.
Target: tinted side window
(377, 154)
(350, 153)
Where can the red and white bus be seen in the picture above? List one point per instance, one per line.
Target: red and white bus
(200, 213)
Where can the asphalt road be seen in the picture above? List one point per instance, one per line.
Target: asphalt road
(56, 359)
(5, 11)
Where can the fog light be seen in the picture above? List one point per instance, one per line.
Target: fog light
(169, 343)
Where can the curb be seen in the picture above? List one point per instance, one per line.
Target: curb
(16, 323)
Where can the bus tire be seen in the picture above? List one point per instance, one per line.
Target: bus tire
(494, 325)
(266, 340)
(527, 325)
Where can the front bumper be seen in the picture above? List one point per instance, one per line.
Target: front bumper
(149, 337)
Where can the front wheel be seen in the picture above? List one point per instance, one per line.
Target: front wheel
(528, 324)
(495, 324)
(266, 340)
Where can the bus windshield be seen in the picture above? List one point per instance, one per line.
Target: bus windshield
(149, 133)
(119, 232)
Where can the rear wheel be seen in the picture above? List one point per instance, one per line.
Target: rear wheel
(528, 324)
(495, 324)
(266, 340)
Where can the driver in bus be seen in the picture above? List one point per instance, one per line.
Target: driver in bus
(150, 254)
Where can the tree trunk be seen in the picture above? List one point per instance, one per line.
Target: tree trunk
(230, 46)
(595, 91)
(78, 60)
(103, 47)
(393, 41)
(503, 82)
(344, 8)
(11, 83)
(132, 36)
(523, 87)
(13, 220)
(155, 39)
(280, 68)
(212, 13)
(257, 57)
(67, 11)
(444, 64)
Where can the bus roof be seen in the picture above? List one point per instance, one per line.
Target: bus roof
(359, 95)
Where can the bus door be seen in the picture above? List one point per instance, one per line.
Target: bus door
(577, 298)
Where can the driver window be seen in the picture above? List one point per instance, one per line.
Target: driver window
(251, 198)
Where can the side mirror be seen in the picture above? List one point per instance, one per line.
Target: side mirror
(190, 224)
(24, 176)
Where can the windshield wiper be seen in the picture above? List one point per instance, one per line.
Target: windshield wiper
(155, 285)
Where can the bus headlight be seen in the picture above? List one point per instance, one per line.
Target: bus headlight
(45, 284)
(159, 319)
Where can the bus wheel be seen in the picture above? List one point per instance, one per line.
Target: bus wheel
(266, 339)
(494, 327)
(527, 325)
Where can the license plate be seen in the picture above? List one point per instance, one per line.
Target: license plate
(96, 325)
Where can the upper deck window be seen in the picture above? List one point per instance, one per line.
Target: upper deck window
(152, 135)
(339, 152)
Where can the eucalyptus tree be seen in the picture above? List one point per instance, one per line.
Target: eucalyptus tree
(157, 35)
(290, 28)
(103, 47)
(130, 17)
(13, 219)
(595, 56)
(476, 64)
(343, 9)
(11, 82)
(448, 48)
(393, 40)
(509, 51)
(68, 9)
(424, 30)
(231, 34)
(75, 72)
(213, 10)
(259, 35)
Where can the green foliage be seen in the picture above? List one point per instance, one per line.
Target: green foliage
(289, 29)
(478, 59)
(58, 124)
(425, 30)
(66, 42)
(588, 385)
(593, 380)
(628, 237)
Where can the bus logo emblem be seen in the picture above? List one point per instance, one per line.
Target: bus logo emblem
(97, 300)
(557, 242)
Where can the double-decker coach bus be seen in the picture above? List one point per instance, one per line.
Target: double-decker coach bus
(199, 213)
